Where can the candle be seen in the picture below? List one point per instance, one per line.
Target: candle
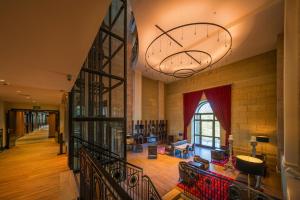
(230, 137)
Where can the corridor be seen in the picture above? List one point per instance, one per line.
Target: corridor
(33, 170)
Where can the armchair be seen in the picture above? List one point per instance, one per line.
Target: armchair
(203, 161)
(220, 154)
(170, 150)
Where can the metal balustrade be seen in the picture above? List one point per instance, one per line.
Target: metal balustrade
(200, 184)
(112, 178)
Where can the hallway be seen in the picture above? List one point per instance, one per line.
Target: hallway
(32, 170)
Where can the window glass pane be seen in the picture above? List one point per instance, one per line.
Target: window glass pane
(197, 128)
(207, 128)
(197, 139)
(205, 108)
(205, 117)
(207, 141)
(217, 143)
(197, 116)
(217, 129)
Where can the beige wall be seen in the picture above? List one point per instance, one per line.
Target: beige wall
(253, 100)
(149, 99)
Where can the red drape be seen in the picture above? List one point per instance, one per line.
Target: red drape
(190, 103)
(219, 99)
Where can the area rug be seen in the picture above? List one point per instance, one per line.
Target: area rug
(209, 187)
(223, 162)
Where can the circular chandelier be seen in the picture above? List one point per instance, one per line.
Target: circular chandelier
(188, 49)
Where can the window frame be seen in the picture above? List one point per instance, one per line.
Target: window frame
(197, 118)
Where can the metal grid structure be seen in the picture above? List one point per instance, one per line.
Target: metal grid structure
(97, 102)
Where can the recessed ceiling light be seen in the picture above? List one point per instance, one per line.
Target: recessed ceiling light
(33, 101)
(28, 97)
(18, 91)
(2, 80)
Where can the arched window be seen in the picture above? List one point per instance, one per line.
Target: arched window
(206, 127)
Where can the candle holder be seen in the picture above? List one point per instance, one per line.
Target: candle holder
(229, 164)
(253, 143)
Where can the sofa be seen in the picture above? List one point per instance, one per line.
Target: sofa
(220, 154)
(203, 161)
(187, 174)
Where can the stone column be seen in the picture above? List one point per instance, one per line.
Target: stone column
(137, 95)
(291, 99)
(161, 100)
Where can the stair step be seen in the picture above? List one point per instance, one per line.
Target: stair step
(173, 194)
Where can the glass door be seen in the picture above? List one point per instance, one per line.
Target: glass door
(207, 133)
(197, 134)
(206, 127)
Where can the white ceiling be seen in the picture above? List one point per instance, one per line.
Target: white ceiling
(254, 25)
(43, 41)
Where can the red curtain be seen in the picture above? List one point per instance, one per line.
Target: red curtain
(219, 99)
(190, 103)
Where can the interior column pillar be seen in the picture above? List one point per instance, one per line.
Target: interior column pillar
(137, 95)
(161, 100)
(291, 91)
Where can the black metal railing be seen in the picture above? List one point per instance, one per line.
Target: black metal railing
(113, 172)
(149, 189)
(205, 185)
(95, 182)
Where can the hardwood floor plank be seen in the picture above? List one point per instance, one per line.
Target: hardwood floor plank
(33, 170)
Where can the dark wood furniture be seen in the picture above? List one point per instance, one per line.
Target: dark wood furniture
(204, 162)
(219, 154)
(137, 148)
(151, 128)
(186, 151)
(199, 165)
(251, 166)
(152, 151)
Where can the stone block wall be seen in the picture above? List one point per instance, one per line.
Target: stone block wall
(149, 99)
(253, 101)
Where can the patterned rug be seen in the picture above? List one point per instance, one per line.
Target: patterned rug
(208, 187)
(223, 162)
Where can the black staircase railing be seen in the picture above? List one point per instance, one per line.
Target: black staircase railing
(115, 177)
(149, 189)
(95, 182)
(200, 184)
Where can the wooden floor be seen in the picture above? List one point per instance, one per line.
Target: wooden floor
(164, 171)
(32, 170)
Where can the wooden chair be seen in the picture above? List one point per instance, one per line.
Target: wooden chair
(192, 149)
(202, 160)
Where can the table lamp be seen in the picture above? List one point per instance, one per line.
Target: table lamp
(229, 164)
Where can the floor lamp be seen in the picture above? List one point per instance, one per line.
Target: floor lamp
(253, 143)
(229, 164)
